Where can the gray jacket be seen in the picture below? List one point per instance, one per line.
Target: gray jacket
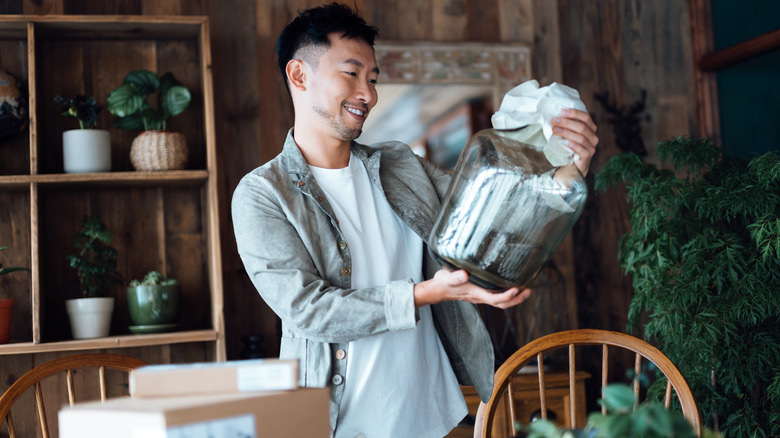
(289, 240)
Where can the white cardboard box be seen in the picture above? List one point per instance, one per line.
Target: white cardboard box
(301, 413)
(214, 377)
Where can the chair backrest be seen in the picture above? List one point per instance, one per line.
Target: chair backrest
(33, 378)
(609, 341)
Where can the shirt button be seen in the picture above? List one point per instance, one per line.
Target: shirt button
(337, 380)
(341, 354)
(301, 183)
(345, 271)
(320, 199)
(342, 245)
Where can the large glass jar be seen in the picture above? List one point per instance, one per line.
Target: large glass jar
(507, 209)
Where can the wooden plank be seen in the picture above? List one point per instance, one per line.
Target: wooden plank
(739, 52)
(518, 19)
(35, 266)
(449, 20)
(706, 82)
(255, 116)
(212, 213)
(124, 341)
(414, 20)
(478, 15)
(544, 37)
(32, 100)
(42, 7)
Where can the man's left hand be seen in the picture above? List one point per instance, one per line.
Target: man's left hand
(578, 128)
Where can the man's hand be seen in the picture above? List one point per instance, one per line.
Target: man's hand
(577, 127)
(454, 285)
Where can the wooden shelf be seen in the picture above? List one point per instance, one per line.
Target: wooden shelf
(123, 341)
(167, 178)
(165, 221)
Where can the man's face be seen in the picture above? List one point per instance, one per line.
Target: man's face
(343, 86)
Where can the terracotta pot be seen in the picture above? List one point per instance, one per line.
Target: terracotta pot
(6, 307)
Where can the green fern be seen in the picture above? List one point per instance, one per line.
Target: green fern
(704, 256)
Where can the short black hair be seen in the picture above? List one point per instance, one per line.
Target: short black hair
(312, 26)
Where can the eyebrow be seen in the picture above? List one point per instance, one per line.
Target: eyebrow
(357, 63)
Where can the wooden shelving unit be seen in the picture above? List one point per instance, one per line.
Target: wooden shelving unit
(165, 221)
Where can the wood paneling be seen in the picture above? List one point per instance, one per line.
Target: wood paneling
(610, 45)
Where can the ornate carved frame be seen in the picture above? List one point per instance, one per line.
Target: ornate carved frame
(503, 66)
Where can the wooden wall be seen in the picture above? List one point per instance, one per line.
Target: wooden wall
(594, 46)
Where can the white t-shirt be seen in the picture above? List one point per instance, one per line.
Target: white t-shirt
(398, 384)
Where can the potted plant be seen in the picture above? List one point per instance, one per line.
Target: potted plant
(154, 148)
(704, 256)
(6, 305)
(624, 418)
(95, 264)
(153, 303)
(84, 149)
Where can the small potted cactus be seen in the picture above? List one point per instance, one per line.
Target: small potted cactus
(153, 303)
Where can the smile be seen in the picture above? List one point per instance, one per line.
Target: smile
(356, 111)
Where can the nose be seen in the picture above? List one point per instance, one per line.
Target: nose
(366, 93)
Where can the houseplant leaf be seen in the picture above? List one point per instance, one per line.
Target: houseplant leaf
(145, 81)
(175, 100)
(125, 100)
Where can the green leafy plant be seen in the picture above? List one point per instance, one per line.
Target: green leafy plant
(96, 260)
(83, 108)
(154, 278)
(131, 104)
(9, 269)
(704, 256)
(624, 418)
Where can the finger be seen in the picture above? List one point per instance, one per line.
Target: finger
(500, 299)
(518, 299)
(582, 116)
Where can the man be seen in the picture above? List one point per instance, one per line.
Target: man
(332, 234)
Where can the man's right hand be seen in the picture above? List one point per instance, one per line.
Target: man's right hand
(454, 285)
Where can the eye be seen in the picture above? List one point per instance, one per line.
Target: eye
(373, 81)
(351, 73)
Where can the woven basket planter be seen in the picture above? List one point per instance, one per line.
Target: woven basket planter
(159, 150)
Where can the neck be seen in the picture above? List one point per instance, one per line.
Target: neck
(322, 151)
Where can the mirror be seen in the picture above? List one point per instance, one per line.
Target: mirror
(433, 96)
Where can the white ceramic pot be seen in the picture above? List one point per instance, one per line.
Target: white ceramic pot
(86, 150)
(90, 317)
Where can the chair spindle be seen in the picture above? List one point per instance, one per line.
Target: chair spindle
(542, 385)
(71, 387)
(102, 372)
(572, 387)
(41, 410)
(637, 373)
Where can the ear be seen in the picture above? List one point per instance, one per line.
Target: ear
(296, 76)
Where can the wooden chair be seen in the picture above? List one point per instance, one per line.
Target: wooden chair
(609, 341)
(67, 364)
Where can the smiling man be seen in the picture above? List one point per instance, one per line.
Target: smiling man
(332, 234)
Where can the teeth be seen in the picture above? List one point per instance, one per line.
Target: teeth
(355, 111)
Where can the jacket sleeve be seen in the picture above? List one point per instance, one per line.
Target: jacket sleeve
(439, 178)
(289, 261)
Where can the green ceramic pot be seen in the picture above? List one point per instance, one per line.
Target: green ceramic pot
(153, 305)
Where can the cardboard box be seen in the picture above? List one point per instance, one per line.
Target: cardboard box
(300, 413)
(214, 378)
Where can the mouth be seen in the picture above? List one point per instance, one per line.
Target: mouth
(359, 114)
